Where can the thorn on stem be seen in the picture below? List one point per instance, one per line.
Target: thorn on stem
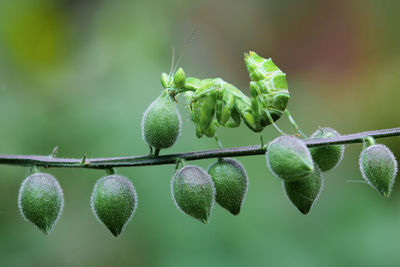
(54, 152)
(218, 142)
(179, 161)
(83, 160)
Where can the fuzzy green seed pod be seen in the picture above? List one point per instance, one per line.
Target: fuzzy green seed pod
(379, 168)
(230, 180)
(304, 192)
(326, 157)
(289, 158)
(41, 200)
(161, 124)
(193, 192)
(114, 202)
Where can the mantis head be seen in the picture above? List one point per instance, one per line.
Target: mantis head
(173, 82)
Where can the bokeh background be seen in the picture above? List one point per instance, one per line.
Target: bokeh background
(79, 74)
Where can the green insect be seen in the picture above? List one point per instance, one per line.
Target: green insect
(214, 102)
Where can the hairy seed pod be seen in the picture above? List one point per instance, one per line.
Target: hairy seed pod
(161, 124)
(193, 192)
(289, 158)
(379, 168)
(41, 200)
(114, 202)
(326, 157)
(304, 192)
(230, 180)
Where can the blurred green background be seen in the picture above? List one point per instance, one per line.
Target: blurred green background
(79, 74)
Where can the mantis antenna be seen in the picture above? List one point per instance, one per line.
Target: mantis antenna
(172, 61)
(188, 41)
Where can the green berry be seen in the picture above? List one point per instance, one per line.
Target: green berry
(161, 124)
(304, 192)
(114, 202)
(289, 158)
(379, 168)
(326, 157)
(41, 200)
(230, 180)
(193, 192)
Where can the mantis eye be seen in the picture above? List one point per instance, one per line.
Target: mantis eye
(179, 78)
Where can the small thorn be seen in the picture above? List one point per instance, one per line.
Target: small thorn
(54, 152)
(205, 221)
(179, 161)
(83, 160)
(218, 142)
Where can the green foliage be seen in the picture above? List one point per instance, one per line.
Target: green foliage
(231, 182)
(193, 192)
(41, 200)
(379, 168)
(289, 158)
(161, 124)
(114, 202)
(304, 192)
(326, 157)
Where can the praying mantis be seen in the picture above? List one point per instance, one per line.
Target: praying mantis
(217, 103)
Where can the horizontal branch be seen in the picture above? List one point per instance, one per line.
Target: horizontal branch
(107, 163)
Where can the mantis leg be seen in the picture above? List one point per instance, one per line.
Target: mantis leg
(294, 123)
(273, 123)
(208, 88)
(210, 132)
(255, 92)
(218, 108)
(199, 132)
(206, 102)
(207, 112)
(249, 120)
(236, 120)
(225, 107)
(250, 112)
(194, 111)
(229, 102)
